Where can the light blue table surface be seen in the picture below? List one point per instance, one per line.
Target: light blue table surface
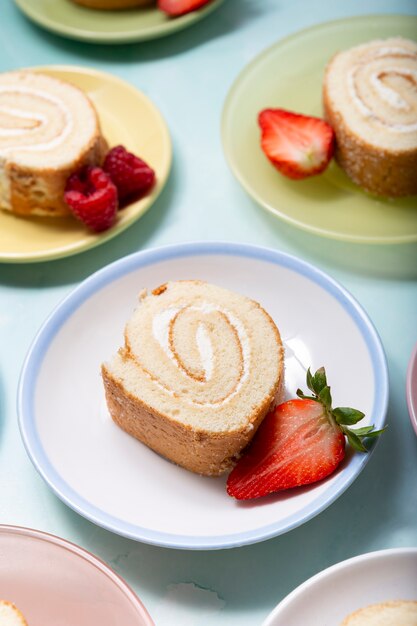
(188, 76)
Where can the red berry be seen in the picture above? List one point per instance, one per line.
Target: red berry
(92, 197)
(296, 444)
(132, 176)
(297, 145)
(180, 7)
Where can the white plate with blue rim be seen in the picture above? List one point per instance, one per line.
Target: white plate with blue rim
(118, 483)
(330, 596)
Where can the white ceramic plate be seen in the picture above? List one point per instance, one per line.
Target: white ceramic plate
(327, 598)
(118, 483)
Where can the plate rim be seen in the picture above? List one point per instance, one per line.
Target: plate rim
(411, 403)
(329, 571)
(88, 556)
(91, 36)
(104, 237)
(143, 258)
(242, 74)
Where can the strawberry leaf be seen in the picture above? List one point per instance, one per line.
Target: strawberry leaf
(310, 381)
(343, 416)
(364, 431)
(319, 380)
(347, 415)
(354, 440)
(325, 397)
(302, 395)
(371, 433)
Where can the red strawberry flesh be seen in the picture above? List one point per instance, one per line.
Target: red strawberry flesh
(297, 145)
(131, 175)
(175, 8)
(296, 444)
(92, 198)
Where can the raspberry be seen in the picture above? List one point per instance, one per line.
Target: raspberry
(132, 176)
(92, 197)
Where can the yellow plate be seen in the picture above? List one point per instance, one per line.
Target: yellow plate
(127, 117)
(289, 75)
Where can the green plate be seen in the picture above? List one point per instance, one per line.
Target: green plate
(77, 22)
(289, 75)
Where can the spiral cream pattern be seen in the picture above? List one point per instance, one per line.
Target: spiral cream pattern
(383, 86)
(22, 128)
(193, 343)
(48, 128)
(43, 115)
(203, 356)
(370, 98)
(198, 347)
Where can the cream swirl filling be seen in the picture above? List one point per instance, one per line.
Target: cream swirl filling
(196, 341)
(19, 120)
(390, 96)
(386, 94)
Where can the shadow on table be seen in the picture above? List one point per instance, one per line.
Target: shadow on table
(226, 18)
(396, 261)
(389, 261)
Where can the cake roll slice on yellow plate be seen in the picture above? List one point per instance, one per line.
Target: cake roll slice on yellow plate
(200, 368)
(48, 129)
(370, 99)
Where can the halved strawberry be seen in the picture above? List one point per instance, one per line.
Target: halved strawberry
(298, 145)
(298, 443)
(180, 7)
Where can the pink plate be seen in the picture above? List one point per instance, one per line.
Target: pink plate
(412, 388)
(56, 583)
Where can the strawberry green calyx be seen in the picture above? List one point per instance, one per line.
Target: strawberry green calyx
(342, 416)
